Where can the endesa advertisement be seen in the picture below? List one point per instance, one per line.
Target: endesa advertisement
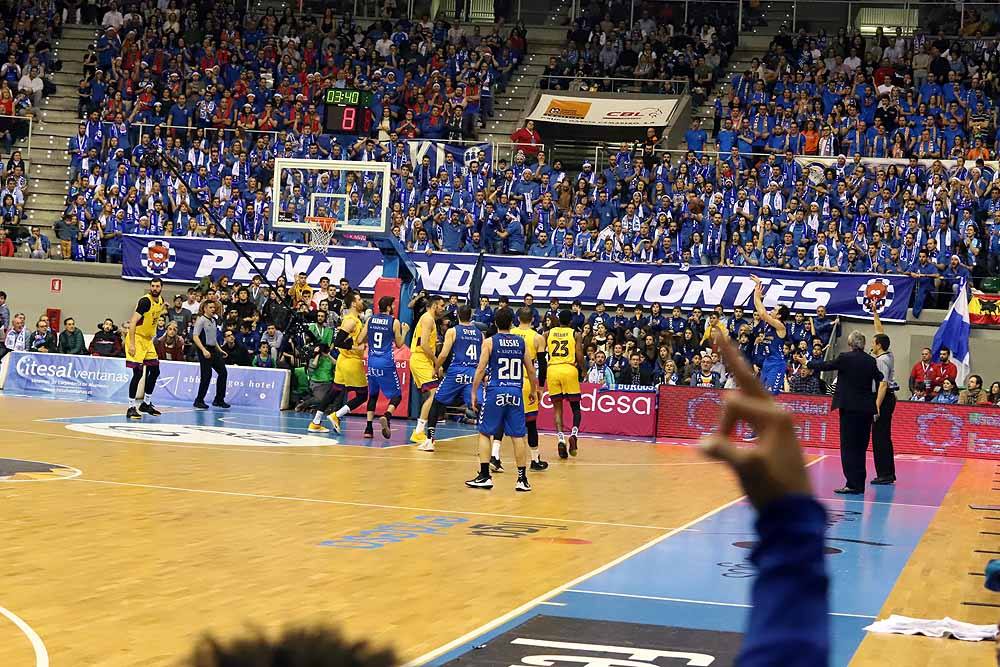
(606, 412)
(931, 429)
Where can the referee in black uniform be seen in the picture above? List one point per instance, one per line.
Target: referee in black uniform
(210, 357)
(885, 405)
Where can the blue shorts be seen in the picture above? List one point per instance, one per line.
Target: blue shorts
(504, 411)
(456, 387)
(384, 381)
(772, 375)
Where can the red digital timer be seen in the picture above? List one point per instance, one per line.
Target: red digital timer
(347, 119)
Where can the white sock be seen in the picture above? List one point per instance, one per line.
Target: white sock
(343, 411)
(560, 436)
(496, 449)
(131, 403)
(318, 417)
(421, 423)
(536, 455)
(576, 431)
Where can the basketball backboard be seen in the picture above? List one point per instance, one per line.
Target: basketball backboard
(356, 194)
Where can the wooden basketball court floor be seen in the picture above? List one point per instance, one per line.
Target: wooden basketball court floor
(121, 543)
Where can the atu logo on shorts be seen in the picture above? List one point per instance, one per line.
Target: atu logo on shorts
(160, 257)
(567, 109)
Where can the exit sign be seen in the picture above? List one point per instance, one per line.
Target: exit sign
(55, 285)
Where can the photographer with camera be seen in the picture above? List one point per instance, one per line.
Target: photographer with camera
(320, 373)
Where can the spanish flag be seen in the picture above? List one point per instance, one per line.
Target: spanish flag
(985, 309)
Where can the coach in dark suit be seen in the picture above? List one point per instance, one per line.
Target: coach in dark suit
(858, 377)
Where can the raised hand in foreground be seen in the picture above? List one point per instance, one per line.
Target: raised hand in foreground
(774, 467)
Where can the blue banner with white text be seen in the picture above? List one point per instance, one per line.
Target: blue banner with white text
(436, 152)
(106, 379)
(190, 259)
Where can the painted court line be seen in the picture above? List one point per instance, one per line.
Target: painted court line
(875, 502)
(286, 451)
(41, 655)
(689, 601)
(527, 606)
(348, 503)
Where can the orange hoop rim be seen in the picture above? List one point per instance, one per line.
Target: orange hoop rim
(320, 222)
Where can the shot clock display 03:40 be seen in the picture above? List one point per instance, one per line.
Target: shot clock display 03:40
(348, 111)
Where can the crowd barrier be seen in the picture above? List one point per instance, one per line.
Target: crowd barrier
(606, 412)
(933, 429)
(82, 378)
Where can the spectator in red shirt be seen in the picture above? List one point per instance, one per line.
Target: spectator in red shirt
(528, 140)
(6, 245)
(922, 377)
(946, 368)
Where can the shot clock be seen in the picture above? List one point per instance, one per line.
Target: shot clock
(348, 111)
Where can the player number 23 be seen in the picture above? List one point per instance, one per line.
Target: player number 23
(561, 348)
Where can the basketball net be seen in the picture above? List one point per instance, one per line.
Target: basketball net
(321, 231)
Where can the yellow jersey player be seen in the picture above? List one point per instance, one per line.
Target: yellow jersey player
(349, 375)
(534, 344)
(563, 378)
(424, 365)
(140, 355)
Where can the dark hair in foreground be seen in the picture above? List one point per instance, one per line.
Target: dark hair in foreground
(296, 647)
(504, 318)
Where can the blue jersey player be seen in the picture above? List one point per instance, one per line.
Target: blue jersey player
(773, 363)
(383, 331)
(506, 359)
(463, 343)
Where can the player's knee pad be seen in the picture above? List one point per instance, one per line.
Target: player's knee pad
(360, 397)
(574, 405)
(532, 433)
(394, 403)
(372, 402)
(133, 384)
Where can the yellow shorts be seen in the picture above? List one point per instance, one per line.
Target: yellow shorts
(563, 380)
(350, 372)
(145, 353)
(530, 403)
(423, 373)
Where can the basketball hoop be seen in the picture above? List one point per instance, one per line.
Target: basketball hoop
(321, 231)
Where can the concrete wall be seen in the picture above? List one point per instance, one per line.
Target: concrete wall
(90, 292)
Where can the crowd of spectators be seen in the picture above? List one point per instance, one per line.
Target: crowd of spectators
(240, 90)
(293, 328)
(27, 31)
(658, 51)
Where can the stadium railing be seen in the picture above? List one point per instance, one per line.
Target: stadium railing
(625, 84)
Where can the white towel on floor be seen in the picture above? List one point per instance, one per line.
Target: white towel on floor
(904, 625)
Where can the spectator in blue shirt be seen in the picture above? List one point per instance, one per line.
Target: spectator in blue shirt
(696, 137)
(542, 247)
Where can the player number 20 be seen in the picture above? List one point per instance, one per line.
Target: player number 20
(509, 369)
